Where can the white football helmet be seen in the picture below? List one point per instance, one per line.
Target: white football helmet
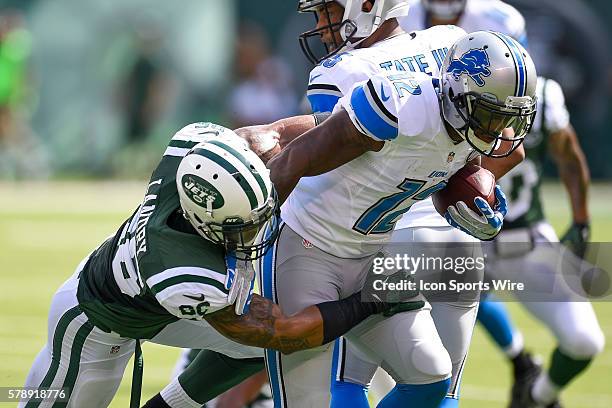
(488, 84)
(226, 194)
(444, 9)
(355, 26)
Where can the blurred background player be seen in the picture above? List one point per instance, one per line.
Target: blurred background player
(471, 15)
(565, 150)
(573, 324)
(22, 156)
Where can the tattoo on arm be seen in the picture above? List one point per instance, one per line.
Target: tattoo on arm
(266, 326)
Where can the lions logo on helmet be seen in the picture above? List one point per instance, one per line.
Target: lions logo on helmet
(474, 63)
(479, 109)
(226, 194)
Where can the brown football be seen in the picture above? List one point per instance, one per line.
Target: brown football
(469, 182)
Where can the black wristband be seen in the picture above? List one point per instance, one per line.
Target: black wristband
(340, 316)
(320, 117)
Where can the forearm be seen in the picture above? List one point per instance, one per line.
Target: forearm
(268, 140)
(265, 325)
(575, 175)
(500, 166)
(573, 171)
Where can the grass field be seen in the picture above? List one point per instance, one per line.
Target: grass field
(45, 230)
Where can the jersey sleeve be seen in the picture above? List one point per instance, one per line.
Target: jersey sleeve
(189, 292)
(556, 114)
(332, 79)
(386, 106)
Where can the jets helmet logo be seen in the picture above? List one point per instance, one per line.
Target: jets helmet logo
(474, 63)
(202, 192)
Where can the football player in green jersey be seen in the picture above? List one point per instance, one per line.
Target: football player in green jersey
(179, 272)
(570, 318)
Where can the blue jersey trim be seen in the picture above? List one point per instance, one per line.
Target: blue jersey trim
(322, 102)
(375, 124)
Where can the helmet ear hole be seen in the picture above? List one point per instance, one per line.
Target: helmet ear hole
(198, 167)
(215, 176)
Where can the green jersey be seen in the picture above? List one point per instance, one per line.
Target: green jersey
(156, 269)
(522, 183)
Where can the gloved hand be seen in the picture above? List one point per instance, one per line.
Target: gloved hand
(388, 300)
(576, 238)
(484, 227)
(239, 280)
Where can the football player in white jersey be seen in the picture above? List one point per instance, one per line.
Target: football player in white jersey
(471, 15)
(332, 79)
(322, 239)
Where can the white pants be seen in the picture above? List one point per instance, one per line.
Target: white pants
(555, 270)
(90, 362)
(454, 321)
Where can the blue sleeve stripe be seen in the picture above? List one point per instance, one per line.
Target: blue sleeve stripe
(322, 102)
(370, 117)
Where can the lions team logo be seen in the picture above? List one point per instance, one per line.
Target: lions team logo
(474, 63)
(202, 192)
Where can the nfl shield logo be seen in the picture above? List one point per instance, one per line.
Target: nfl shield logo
(307, 244)
(451, 157)
(114, 349)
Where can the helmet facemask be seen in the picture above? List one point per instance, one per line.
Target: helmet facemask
(311, 40)
(358, 23)
(485, 121)
(242, 237)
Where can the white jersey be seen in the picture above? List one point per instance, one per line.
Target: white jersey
(352, 210)
(478, 15)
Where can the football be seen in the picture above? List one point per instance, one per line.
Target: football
(469, 182)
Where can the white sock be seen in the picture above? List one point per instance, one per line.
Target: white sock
(515, 348)
(544, 391)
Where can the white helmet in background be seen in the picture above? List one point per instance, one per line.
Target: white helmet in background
(356, 23)
(444, 9)
(226, 194)
(488, 84)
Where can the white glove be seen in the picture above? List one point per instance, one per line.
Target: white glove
(484, 227)
(239, 280)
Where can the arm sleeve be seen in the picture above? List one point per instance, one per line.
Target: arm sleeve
(386, 106)
(189, 292)
(332, 79)
(556, 115)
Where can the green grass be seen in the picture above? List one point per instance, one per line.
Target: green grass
(45, 230)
